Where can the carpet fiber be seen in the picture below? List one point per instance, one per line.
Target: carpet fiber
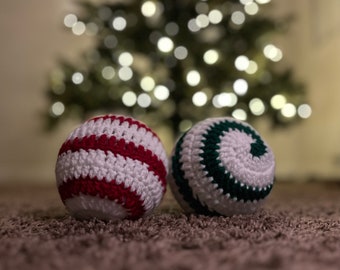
(299, 227)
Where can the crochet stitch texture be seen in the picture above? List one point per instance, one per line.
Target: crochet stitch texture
(111, 167)
(221, 166)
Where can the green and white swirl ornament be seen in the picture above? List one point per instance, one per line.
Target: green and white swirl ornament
(221, 166)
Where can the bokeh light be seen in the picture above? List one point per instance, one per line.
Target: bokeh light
(288, 110)
(199, 99)
(193, 77)
(147, 83)
(304, 111)
(129, 98)
(77, 78)
(240, 87)
(278, 101)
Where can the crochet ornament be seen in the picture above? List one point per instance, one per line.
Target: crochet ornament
(221, 166)
(111, 167)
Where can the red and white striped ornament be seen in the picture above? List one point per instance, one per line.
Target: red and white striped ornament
(111, 167)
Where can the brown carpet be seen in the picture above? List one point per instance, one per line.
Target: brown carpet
(299, 228)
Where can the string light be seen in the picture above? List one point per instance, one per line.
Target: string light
(147, 83)
(77, 78)
(199, 99)
(239, 114)
(240, 87)
(256, 106)
(288, 110)
(125, 73)
(78, 28)
(165, 44)
(202, 21)
(215, 16)
(251, 8)
(144, 100)
(129, 98)
(252, 67)
(181, 52)
(244, 2)
(161, 92)
(192, 25)
(108, 72)
(272, 52)
(57, 108)
(125, 59)
(262, 2)
(193, 77)
(211, 57)
(149, 8)
(278, 101)
(119, 23)
(238, 17)
(241, 63)
(224, 100)
(70, 20)
(304, 111)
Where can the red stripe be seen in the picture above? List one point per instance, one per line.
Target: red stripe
(120, 147)
(122, 119)
(130, 200)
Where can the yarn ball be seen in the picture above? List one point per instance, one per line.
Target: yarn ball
(111, 167)
(221, 166)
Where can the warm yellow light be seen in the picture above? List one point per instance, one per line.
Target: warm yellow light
(211, 57)
(239, 114)
(256, 106)
(261, 2)
(161, 92)
(288, 110)
(147, 83)
(202, 20)
(252, 67)
(165, 44)
(215, 16)
(125, 73)
(199, 99)
(240, 87)
(149, 8)
(242, 62)
(251, 8)
(193, 78)
(278, 101)
(125, 59)
(129, 98)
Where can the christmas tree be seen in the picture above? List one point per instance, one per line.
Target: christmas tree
(176, 62)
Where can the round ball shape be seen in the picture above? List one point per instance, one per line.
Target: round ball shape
(111, 167)
(221, 166)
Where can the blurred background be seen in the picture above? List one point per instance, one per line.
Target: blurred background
(231, 59)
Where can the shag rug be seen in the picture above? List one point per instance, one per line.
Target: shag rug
(298, 228)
